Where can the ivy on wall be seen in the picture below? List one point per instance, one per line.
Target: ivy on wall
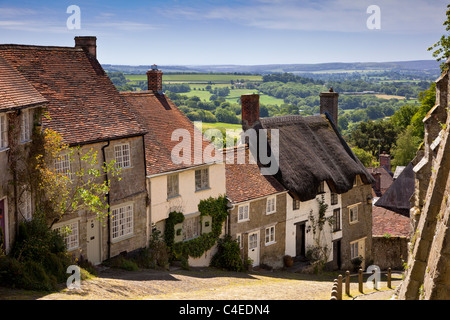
(217, 209)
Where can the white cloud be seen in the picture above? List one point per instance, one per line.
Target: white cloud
(399, 16)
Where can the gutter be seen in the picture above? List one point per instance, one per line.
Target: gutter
(108, 201)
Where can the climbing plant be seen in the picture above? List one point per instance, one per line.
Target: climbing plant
(319, 252)
(217, 209)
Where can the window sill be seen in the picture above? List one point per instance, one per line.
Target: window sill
(25, 141)
(243, 220)
(202, 189)
(269, 213)
(270, 243)
(4, 149)
(173, 197)
(129, 236)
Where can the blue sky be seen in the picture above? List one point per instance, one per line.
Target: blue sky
(176, 32)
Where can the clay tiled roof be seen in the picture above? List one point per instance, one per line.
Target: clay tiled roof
(84, 106)
(245, 182)
(15, 91)
(385, 221)
(160, 117)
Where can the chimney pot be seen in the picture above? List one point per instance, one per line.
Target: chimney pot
(154, 79)
(250, 110)
(385, 160)
(329, 103)
(88, 44)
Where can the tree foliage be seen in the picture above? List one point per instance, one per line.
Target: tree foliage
(442, 46)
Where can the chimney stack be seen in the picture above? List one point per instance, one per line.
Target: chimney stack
(250, 110)
(385, 160)
(88, 44)
(329, 103)
(154, 78)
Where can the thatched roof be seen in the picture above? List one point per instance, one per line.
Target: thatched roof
(396, 198)
(311, 150)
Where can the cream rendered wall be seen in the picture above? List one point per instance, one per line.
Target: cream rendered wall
(302, 215)
(188, 199)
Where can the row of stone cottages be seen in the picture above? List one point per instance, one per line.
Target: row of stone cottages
(269, 215)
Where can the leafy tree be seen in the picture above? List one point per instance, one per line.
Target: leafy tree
(405, 148)
(374, 136)
(60, 194)
(442, 46)
(367, 159)
(427, 100)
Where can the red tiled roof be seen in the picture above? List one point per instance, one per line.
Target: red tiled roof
(15, 91)
(388, 222)
(84, 106)
(160, 117)
(245, 182)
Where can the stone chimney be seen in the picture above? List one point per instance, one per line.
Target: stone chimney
(88, 44)
(154, 78)
(250, 110)
(385, 160)
(377, 184)
(329, 103)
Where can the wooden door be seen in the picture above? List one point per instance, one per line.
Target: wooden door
(253, 247)
(300, 245)
(93, 241)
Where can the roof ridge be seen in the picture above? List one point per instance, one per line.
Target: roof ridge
(34, 47)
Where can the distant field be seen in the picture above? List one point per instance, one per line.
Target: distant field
(388, 97)
(198, 78)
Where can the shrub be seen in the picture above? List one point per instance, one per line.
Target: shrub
(38, 258)
(228, 255)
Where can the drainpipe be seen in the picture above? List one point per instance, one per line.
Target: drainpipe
(108, 201)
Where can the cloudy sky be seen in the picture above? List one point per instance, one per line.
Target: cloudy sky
(178, 32)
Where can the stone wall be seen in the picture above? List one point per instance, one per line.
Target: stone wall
(428, 269)
(389, 252)
(271, 255)
(362, 229)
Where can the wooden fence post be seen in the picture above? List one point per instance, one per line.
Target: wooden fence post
(389, 283)
(360, 280)
(347, 283)
(339, 291)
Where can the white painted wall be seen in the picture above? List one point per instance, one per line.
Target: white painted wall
(187, 201)
(302, 215)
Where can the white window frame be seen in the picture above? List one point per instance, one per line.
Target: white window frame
(72, 237)
(63, 165)
(253, 241)
(201, 179)
(122, 221)
(26, 205)
(3, 131)
(122, 155)
(271, 205)
(269, 235)
(173, 185)
(354, 248)
(239, 240)
(351, 217)
(25, 125)
(244, 212)
(192, 227)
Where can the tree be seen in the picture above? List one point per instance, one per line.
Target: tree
(442, 47)
(427, 101)
(62, 193)
(366, 158)
(405, 148)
